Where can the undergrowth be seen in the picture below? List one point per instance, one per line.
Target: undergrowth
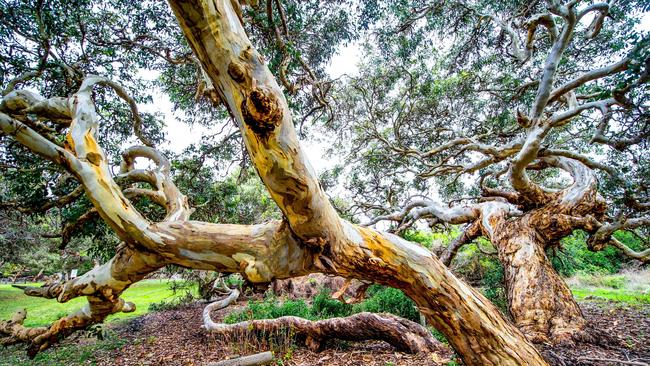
(380, 300)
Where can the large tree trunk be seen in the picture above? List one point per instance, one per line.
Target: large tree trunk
(311, 238)
(539, 301)
(469, 321)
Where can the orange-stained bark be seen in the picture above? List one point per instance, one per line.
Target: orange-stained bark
(539, 301)
(472, 324)
(311, 238)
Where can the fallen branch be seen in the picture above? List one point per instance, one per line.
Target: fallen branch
(622, 362)
(404, 335)
(251, 360)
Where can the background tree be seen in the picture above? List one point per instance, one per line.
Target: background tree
(529, 118)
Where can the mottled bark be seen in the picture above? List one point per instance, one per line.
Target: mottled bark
(473, 325)
(539, 301)
(311, 238)
(403, 334)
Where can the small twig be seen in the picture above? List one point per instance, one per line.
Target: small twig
(637, 363)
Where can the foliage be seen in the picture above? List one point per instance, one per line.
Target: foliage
(573, 256)
(270, 308)
(323, 306)
(380, 300)
(388, 300)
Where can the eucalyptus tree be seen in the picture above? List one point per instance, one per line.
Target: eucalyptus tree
(530, 118)
(64, 131)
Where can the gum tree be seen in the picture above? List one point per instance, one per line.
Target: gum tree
(311, 237)
(531, 119)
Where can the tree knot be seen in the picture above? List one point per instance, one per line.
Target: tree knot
(237, 71)
(261, 111)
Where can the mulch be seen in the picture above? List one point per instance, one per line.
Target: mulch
(175, 337)
(620, 332)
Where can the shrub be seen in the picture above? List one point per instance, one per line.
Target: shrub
(380, 300)
(388, 300)
(270, 308)
(497, 295)
(323, 306)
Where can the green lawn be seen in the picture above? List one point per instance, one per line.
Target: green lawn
(629, 287)
(43, 311)
(617, 295)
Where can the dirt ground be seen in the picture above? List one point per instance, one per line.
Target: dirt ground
(175, 337)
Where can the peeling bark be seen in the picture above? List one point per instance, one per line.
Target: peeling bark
(474, 327)
(312, 238)
(404, 335)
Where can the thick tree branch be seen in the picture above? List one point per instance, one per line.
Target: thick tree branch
(552, 62)
(312, 239)
(528, 190)
(595, 74)
(256, 102)
(472, 232)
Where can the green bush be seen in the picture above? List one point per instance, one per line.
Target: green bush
(323, 306)
(497, 295)
(574, 257)
(270, 308)
(380, 300)
(388, 300)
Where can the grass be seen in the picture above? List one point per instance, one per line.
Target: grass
(43, 311)
(617, 295)
(61, 355)
(632, 288)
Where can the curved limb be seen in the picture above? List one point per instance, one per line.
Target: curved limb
(403, 334)
(313, 239)
(602, 236)
(472, 232)
(102, 286)
(166, 193)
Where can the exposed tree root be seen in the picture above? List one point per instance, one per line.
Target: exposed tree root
(403, 334)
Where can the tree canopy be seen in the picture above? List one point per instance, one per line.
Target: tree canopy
(525, 121)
